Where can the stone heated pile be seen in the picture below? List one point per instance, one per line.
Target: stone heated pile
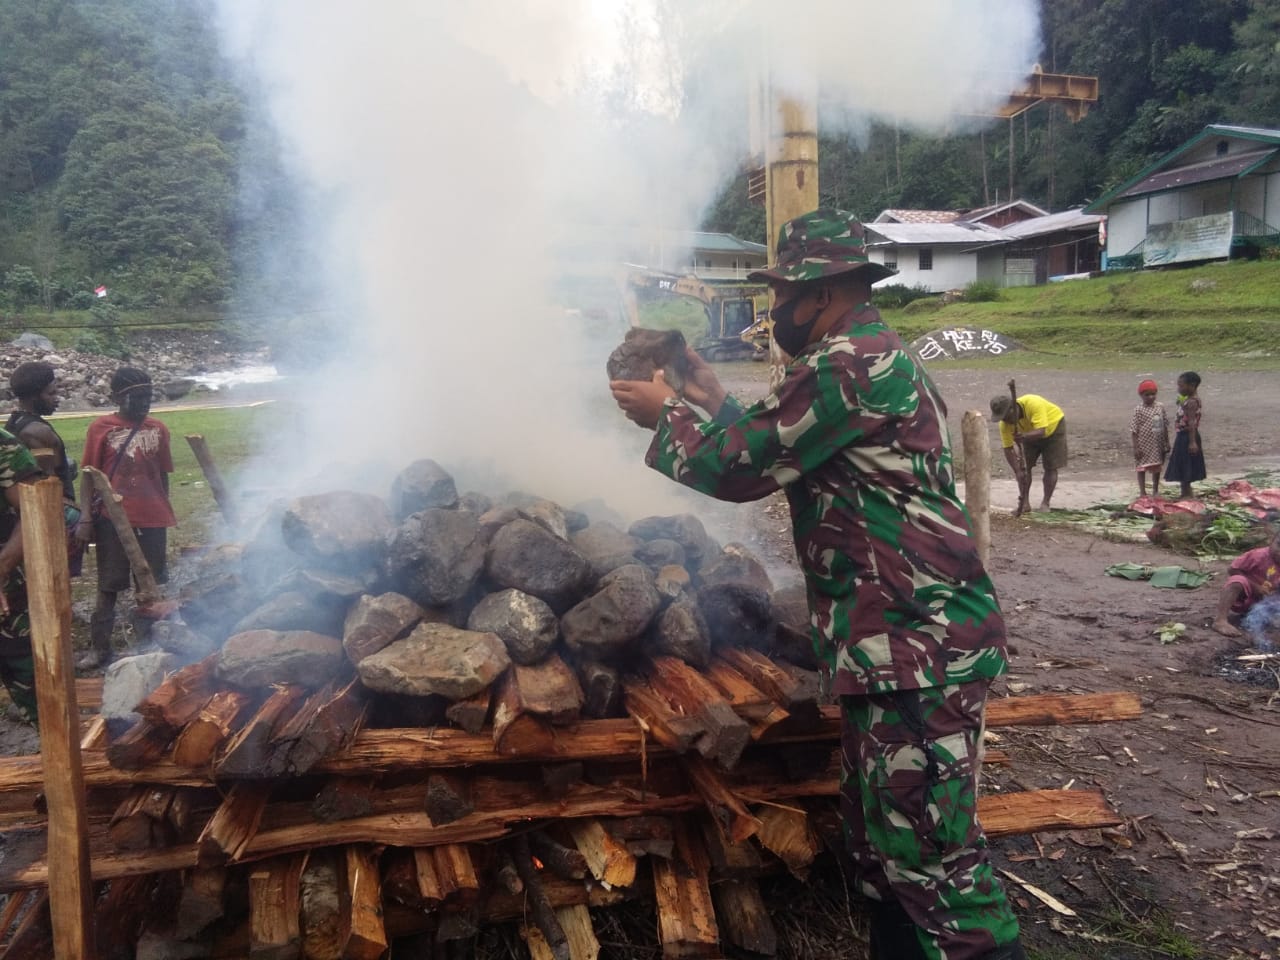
(380, 724)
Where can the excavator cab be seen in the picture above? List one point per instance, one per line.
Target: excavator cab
(730, 308)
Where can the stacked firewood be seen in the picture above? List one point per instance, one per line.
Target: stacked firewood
(413, 716)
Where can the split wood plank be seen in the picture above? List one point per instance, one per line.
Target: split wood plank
(141, 745)
(682, 887)
(234, 824)
(367, 937)
(726, 807)
(744, 917)
(786, 833)
(389, 750)
(247, 753)
(274, 904)
(182, 694)
(325, 723)
(342, 798)
(472, 713)
(691, 693)
(1003, 815)
(44, 543)
(219, 720)
(670, 728)
(530, 700)
(749, 702)
(581, 938)
(608, 860)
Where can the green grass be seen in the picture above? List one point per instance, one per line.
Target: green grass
(232, 435)
(1129, 318)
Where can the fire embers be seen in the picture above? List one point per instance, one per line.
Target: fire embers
(1262, 623)
(440, 603)
(643, 352)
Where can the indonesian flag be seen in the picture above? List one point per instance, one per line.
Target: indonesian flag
(100, 291)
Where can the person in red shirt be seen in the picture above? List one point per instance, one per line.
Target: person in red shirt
(1253, 576)
(132, 449)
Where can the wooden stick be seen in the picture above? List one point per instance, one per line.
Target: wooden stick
(44, 544)
(977, 479)
(1024, 477)
(540, 908)
(213, 477)
(148, 589)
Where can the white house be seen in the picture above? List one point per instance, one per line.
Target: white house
(1216, 196)
(709, 255)
(938, 256)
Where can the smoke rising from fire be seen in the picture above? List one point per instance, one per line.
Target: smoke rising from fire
(475, 161)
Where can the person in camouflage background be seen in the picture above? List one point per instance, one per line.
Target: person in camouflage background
(17, 669)
(902, 612)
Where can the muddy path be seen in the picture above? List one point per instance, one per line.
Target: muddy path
(1195, 869)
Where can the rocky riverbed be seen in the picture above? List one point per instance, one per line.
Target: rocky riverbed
(176, 360)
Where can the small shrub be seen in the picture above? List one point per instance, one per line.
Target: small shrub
(931, 305)
(894, 296)
(981, 291)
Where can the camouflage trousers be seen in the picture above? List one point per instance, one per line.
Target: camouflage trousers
(17, 668)
(909, 784)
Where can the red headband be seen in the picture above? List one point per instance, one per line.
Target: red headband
(1148, 385)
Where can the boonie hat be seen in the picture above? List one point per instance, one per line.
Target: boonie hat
(1000, 406)
(824, 243)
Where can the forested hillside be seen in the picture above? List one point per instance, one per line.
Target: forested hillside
(123, 142)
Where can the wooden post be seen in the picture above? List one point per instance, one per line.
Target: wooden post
(44, 544)
(977, 479)
(213, 477)
(148, 589)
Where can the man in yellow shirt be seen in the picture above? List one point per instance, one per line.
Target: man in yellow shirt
(1041, 428)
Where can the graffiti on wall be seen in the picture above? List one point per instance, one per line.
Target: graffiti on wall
(961, 342)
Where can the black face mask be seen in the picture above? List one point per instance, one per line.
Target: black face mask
(791, 338)
(136, 405)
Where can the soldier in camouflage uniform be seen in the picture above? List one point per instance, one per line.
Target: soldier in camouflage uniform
(17, 669)
(902, 611)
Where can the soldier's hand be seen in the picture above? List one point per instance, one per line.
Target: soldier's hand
(702, 386)
(642, 400)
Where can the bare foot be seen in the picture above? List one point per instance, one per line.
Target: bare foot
(1043, 508)
(1226, 629)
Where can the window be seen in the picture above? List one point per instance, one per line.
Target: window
(926, 258)
(891, 258)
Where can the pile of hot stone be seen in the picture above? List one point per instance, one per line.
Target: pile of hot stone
(401, 720)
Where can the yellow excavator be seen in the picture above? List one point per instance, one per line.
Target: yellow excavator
(731, 309)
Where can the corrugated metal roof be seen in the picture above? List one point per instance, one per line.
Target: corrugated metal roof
(1134, 186)
(1262, 133)
(1223, 169)
(721, 242)
(1075, 219)
(917, 216)
(935, 233)
(978, 214)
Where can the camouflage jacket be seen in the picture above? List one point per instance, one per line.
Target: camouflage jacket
(857, 437)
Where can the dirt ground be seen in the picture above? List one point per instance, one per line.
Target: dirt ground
(1195, 870)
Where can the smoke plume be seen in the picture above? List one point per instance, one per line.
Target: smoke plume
(467, 158)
